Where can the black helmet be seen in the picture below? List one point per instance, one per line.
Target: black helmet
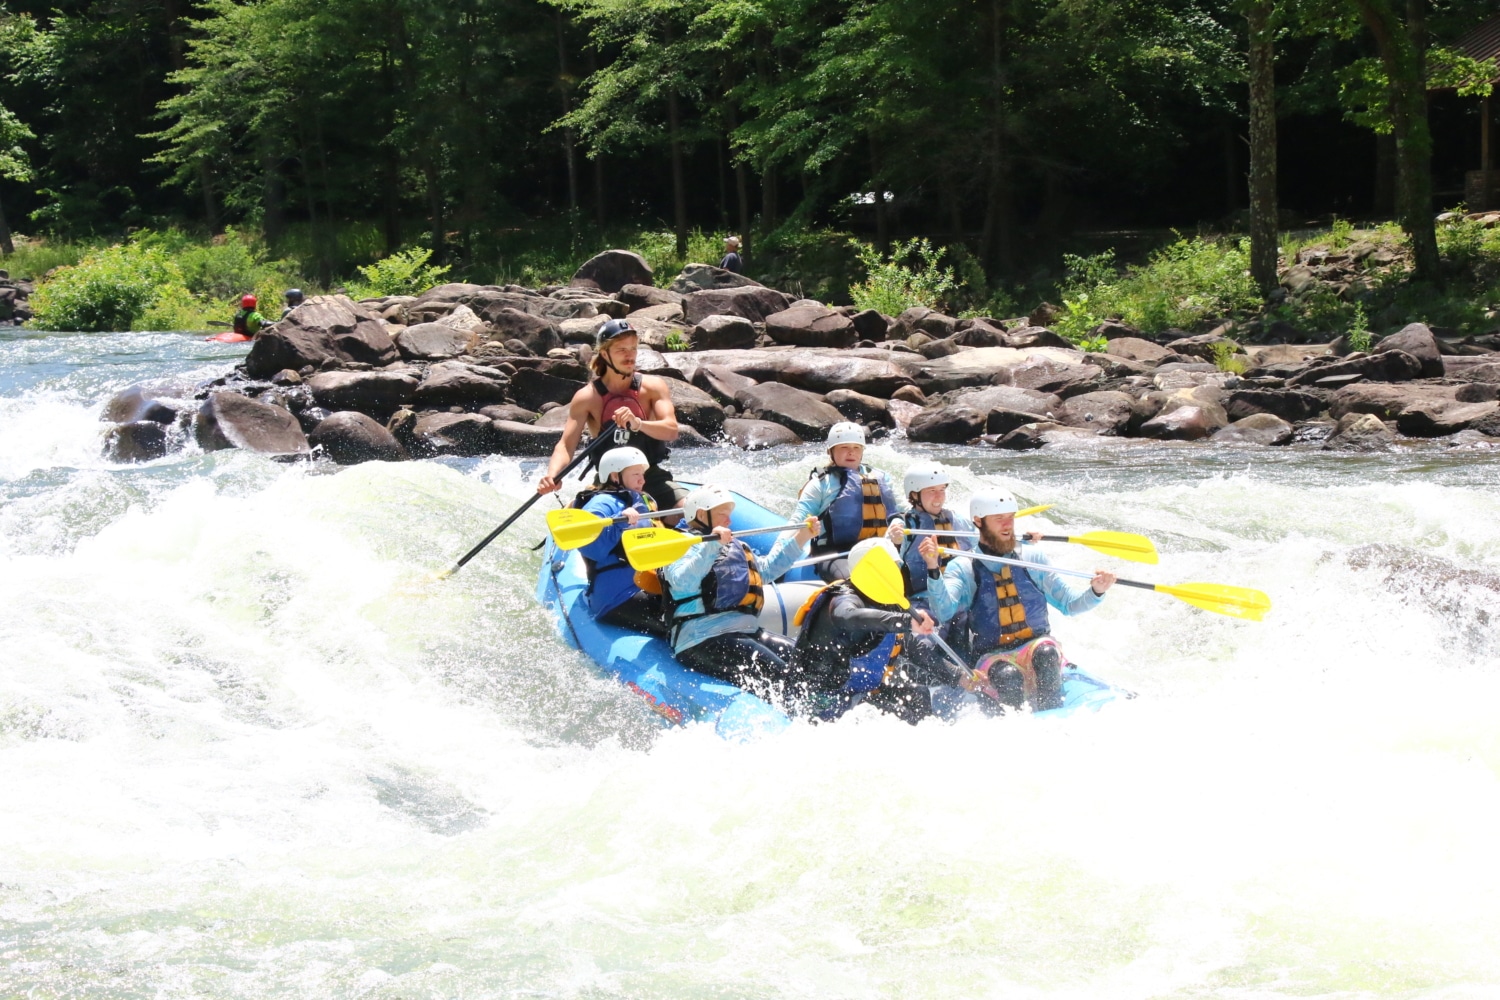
(611, 330)
(294, 295)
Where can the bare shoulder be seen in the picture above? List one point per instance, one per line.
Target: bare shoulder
(655, 384)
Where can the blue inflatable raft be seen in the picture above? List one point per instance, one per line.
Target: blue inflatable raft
(646, 666)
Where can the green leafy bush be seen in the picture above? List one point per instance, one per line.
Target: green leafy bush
(1181, 284)
(1077, 321)
(1359, 330)
(677, 342)
(891, 287)
(1226, 360)
(35, 257)
(659, 248)
(110, 289)
(404, 273)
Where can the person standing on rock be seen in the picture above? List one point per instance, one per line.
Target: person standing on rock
(732, 260)
(852, 501)
(926, 487)
(294, 298)
(620, 400)
(247, 322)
(613, 596)
(1010, 636)
(714, 596)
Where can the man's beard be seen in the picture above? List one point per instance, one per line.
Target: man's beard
(997, 543)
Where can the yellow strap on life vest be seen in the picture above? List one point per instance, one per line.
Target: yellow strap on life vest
(874, 515)
(1013, 627)
(755, 593)
(807, 605)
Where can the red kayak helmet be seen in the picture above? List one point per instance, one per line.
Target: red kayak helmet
(248, 302)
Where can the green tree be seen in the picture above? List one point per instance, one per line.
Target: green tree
(15, 165)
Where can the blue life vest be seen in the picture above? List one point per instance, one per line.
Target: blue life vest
(732, 583)
(916, 567)
(858, 510)
(611, 577)
(985, 615)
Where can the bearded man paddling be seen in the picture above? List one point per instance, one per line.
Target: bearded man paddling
(1010, 635)
(620, 400)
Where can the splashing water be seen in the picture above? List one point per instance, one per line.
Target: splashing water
(241, 756)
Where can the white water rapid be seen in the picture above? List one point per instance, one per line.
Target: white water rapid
(247, 751)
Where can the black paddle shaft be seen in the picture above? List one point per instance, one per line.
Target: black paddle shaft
(603, 436)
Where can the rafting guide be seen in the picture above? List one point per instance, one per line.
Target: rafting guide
(639, 406)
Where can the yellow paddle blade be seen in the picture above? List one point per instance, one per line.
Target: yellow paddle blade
(1136, 548)
(573, 528)
(1033, 510)
(653, 548)
(1236, 602)
(878, 577)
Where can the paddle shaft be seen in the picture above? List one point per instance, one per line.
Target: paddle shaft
(577, 460)
(975, 534)
(1082, 574)
(621, 519)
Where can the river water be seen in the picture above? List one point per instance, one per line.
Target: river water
(247, 751)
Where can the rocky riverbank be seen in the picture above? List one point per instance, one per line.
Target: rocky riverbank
(15, 300)
(479, 369)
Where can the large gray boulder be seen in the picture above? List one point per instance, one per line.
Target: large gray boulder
(720, 383)
(1386, 401)
(349, 438)
(453, 383)
(804, 413)
(646, 296)
(953, 423)
(753, 302)
(1438, 418)
(229, 420)
(136, 441)
(703, 277)
(1185, 423)
(920, 319)
(455, 434)
(1418, 341)
(808, 324)
(1387, 366)
(1136, 349)
(435, 341)
(862, 409)
(515, 438)
(1106, 413)
(814, 370)
(323, 327)
(1258, 429)
(696, 408)
(377, 393)
(1288, 404)
(532, 388)
(1360, 432)
(133, 404)
(754, 435)
(723, 333)
(612, 270)
(1053, 375)
(538, 333)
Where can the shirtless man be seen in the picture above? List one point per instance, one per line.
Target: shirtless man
(619, 400)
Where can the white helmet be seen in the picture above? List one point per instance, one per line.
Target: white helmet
(705, 498)
(989, 502)
(923, 475)
(862, 550)
(620, 459)
(845, 432)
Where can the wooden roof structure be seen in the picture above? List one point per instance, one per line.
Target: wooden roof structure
(1482, 42)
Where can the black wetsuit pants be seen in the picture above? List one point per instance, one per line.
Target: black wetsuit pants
(641, 612)
(758, 661)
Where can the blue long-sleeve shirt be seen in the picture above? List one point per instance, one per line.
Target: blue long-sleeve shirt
(685, 579)
(612, 587)
(955, 592)
(819, 492)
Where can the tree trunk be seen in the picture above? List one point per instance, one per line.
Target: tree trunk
(273, 200)
(390, 160)
(1263, 208)
(7, 245)
(741, 184)
(768, 207)
(1402, 48)
(570, 145)
(997, 238)
(679, 183)
(599, 218)
(1385, 175)
(882, 224)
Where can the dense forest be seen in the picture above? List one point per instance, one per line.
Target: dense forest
(1015, 128)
